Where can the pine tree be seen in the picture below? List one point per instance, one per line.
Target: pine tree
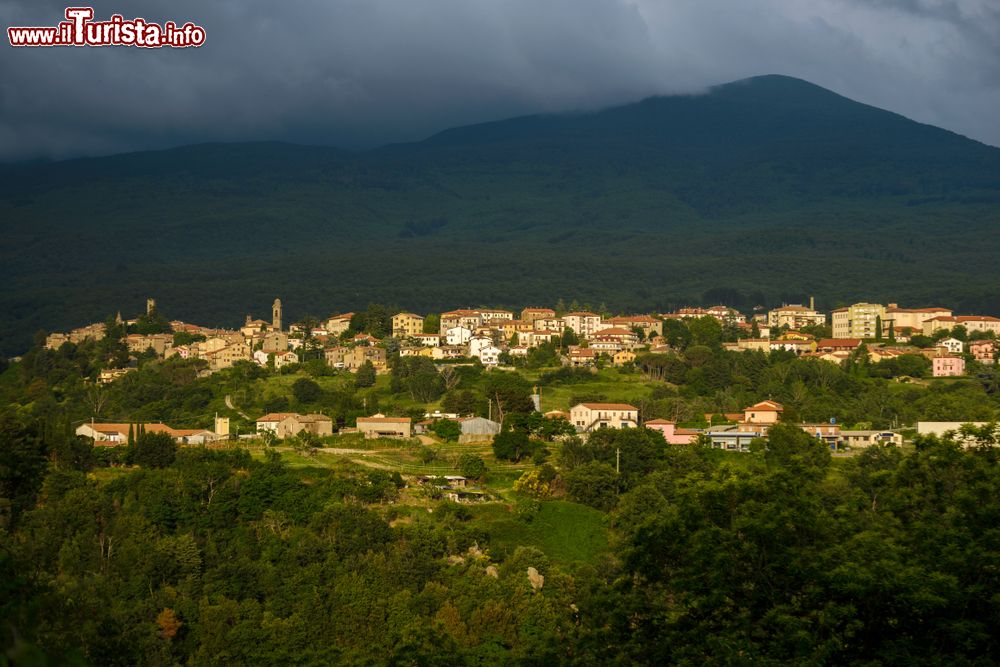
(131, 435)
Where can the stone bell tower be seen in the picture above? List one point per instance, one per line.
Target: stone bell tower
(276, 314)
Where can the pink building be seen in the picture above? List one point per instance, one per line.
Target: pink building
(672, 434)
(948, 366)
(983, 350)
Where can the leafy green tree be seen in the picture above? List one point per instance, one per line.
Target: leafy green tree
(187, 338)
(448, 430)
(463, 402)
(472, 466)
(155, 450)
(276, 404)
(375, 320)
(594, 484)
(365, 377)
(509, 393)
(635, 450)
(568, 338)
(705, 331)
(789, 447)
(22, 464)
(678, 335)
(432, 323)
(152, 323)
(306, 391)
(419, 377)
(511, 445)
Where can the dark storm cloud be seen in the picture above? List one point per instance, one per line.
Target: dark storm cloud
(363, 72)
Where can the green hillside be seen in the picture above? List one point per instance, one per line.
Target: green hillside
(769, 188)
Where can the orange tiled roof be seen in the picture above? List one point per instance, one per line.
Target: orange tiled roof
(610, 406)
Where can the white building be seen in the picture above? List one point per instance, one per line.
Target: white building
(587, 417)
(457, 335)
(583, 324)
(488, 355)
(953, 345)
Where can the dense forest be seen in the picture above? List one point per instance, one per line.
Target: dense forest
(765, 190)
(619, 549)
(775, 557)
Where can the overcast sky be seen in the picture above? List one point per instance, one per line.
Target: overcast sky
(359, 73)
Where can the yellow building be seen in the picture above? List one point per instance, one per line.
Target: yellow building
(623, 357)
(911, 318)
(338, 324)
(407, 324)
(795, 316)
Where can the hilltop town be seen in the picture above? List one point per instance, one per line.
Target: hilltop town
(926, 341)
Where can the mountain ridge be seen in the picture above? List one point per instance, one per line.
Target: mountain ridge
(643, 206)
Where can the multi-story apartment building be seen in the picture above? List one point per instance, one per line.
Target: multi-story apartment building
(470, 319)
(984, 323)
(352, 358)
(650, 326)
(532, 314)
(795, 316)
(858, 321)
(407, 324)
(583, 324)
(910, 319)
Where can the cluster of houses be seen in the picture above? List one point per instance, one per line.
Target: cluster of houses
(489, 334)
(736, 434)
(115, 434)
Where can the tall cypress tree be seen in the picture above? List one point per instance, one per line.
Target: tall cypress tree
(131, 435)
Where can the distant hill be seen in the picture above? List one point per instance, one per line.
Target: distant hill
(759, 191)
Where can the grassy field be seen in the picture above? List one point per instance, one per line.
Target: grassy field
(405, 459)
(609, 384)
(564, 531)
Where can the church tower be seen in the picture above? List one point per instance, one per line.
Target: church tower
(150, 306)
(276, 314)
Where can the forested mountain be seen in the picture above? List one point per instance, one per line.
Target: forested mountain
(771, 187)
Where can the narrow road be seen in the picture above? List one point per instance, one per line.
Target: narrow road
(229, 404)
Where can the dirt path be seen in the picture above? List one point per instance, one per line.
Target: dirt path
(229, 404)
(338, 450)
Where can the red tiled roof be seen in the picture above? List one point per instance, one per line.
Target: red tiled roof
(916, 310)
(609, 406)
(838, 342)
(977, 318)
(766, 406)
(277, 416)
